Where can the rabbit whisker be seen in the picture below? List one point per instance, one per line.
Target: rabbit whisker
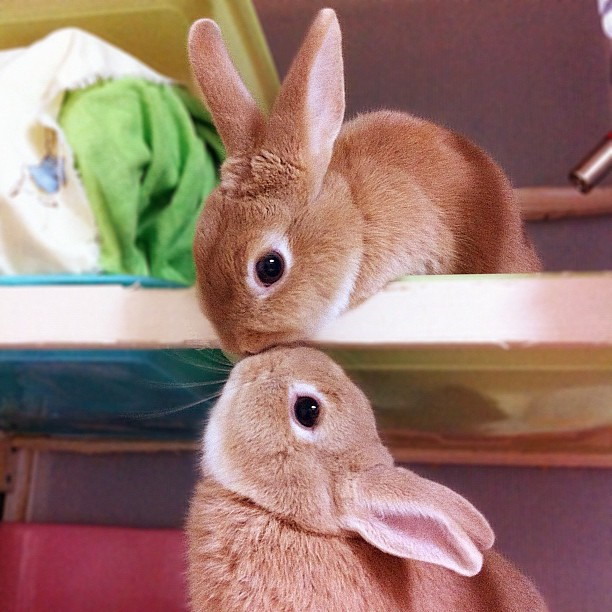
(202, 361)
(174, 410)
(184, 385)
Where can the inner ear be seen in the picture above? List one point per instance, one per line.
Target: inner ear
(442, 542)
(309, 110)
(408, 516)
(235, 113)
(420, 537)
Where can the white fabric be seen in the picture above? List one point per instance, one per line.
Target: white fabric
(44, 228)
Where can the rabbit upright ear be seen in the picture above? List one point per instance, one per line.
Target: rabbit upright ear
(235, 114)
(309, 109)
(408, 516)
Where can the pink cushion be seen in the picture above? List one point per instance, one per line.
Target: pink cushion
(76, 567)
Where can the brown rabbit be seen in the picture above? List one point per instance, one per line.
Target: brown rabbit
(300, 508)
(312, 217)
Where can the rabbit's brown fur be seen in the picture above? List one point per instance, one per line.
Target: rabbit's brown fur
(355, 206)
(293, 519)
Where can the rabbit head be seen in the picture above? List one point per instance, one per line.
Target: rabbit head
(276, 246)
(296, 437)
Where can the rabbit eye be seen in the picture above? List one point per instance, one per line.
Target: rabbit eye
(270, 268)
(306, 411)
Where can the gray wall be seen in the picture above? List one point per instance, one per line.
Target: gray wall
(577, 244)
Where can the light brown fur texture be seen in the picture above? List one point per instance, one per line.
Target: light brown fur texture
(357, 206)
(292, 519)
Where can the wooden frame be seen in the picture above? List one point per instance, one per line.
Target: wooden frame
(540, 203)
(590, 450)
(17, 493)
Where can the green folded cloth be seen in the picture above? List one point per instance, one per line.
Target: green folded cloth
(148, 155)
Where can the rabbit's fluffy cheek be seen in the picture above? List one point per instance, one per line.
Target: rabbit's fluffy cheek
(342, 298)
(215, 461)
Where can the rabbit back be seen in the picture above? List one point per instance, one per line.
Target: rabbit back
(498, 586)
(432, 201)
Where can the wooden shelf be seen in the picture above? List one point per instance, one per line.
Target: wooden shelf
(548, 310)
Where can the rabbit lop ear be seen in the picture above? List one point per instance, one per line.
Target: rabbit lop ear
(408, 516)
(236, 116)
(309, 109)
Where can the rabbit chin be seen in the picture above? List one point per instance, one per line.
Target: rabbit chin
(247, 342)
